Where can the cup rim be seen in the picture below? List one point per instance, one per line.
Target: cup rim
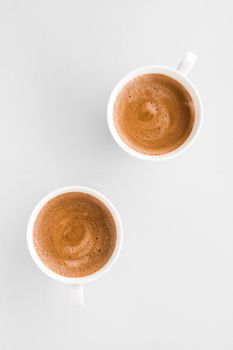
(181, 78)
(47, 270)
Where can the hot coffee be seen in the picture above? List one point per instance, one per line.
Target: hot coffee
(75, 234)
(154, 114)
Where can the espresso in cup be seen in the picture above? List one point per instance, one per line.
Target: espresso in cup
(154, 114)
(74, 234)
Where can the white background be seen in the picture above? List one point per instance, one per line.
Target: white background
(172, 287)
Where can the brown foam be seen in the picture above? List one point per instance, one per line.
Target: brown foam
(154, 114)
(74, 234)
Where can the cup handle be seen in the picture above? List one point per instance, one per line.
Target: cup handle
(187, 63)
(77, 294)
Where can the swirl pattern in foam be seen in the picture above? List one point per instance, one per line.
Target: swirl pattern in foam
(154, 114)
(74, 234)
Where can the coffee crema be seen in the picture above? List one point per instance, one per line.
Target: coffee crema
(75, 234)
(154, 114)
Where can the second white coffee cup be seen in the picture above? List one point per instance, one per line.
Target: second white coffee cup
(179, 74)
(77, 282)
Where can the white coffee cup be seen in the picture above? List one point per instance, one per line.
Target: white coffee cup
(179, 74)
(76, 282)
